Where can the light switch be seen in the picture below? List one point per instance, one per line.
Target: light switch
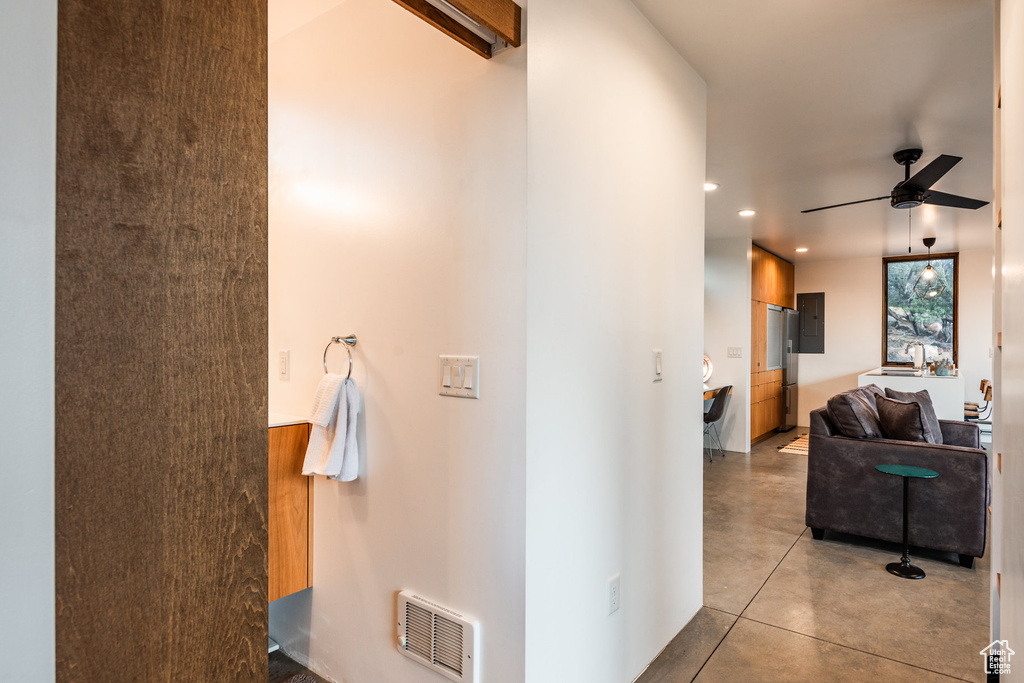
(283, 363)
(459, 376)
(735, 352)
(657, 365)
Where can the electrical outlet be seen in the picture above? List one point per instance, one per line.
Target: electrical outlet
(613, 594)
(284, 365)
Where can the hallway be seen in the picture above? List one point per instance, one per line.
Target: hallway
(779, 606)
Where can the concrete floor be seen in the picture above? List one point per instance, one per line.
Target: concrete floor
(780, 606)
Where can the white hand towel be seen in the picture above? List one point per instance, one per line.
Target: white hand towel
(326, 400)
(332, 449)
(350, 461)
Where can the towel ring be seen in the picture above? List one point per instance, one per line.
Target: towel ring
(349, 342)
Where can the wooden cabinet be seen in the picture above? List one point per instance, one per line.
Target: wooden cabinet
(290, 522)
(787, 284)
(771, 279)
(758, 336)
(771, 282)
(765, 402)
(757, 255)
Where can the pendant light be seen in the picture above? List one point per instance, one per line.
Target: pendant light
(930, 283)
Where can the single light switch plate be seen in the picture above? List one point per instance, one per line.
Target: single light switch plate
(656, 357)
(459, 376)
(613, 595)
(283, 365)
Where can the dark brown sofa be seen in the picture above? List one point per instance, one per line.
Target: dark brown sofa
(846, 493)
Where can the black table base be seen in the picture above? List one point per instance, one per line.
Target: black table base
(903, 568)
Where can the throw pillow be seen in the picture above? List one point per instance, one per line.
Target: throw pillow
(853, 414)
(870, 392)
(931, 422)
(902, 420)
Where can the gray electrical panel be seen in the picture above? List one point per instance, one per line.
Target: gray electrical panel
(812, 322)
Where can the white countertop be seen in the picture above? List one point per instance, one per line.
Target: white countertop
(284, 419)
(947, 393)
(880, 372)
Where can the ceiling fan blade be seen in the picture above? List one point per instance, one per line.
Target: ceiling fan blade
(861, 201)
(943, 199)
(930, 174)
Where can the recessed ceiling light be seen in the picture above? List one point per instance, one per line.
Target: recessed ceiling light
(747, 212)
(710, 187)
(801, 249)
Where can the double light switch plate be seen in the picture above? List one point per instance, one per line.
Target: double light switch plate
(459, 376)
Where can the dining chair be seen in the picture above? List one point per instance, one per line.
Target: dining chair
(711, 419)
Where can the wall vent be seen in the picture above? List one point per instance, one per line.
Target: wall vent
(438, 637)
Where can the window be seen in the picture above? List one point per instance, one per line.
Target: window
(919, 306)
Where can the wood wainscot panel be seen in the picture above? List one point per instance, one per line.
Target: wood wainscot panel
(161, 341)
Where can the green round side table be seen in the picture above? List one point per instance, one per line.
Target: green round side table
(903, 568)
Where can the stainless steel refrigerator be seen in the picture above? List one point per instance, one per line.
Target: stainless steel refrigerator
(781, 353)
(790, 350)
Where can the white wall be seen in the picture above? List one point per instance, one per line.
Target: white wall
(727, 323)
(616, 131)
(28, 91)
(853, 319)
(975, 320)
(1011, 385)
(853, 325)
(397, 212)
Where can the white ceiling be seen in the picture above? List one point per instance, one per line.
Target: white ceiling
(284, 16)
(807, 101)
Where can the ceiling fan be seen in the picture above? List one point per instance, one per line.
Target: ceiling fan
(914, 191)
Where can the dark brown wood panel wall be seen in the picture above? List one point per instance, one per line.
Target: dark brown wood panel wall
(161, 361)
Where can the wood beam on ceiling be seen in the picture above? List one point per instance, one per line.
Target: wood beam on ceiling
(501, 17)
